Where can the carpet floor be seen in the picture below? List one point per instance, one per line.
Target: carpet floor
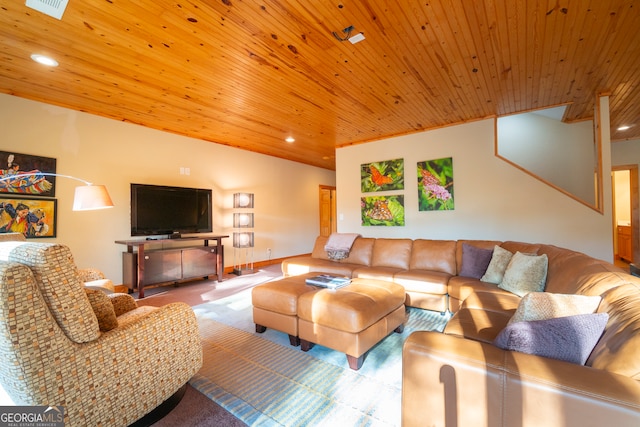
(264, 381)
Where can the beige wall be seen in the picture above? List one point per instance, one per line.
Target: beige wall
(493, 200)
(116, 154)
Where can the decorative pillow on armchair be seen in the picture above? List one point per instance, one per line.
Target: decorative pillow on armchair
(570, 338)
(497, 266)
(547, 305)
(525, 273)
(475, 261)
(103, 309)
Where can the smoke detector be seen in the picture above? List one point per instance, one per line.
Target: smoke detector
(54, 8)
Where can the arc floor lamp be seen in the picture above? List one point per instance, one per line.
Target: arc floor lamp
(86, 198)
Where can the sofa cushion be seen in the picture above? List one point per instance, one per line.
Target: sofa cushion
(475, 261)
(305, 264)
(433, 255)
(570, 338)
(392, 253)
(103, 309)
(460, 288)
(547, 305)
(525, 273)
(361, 251)
(497, 266)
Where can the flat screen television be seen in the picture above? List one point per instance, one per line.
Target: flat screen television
(158, 210)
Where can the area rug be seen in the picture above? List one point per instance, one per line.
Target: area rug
(264, 381)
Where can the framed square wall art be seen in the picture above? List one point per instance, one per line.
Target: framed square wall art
(386, 211)
(35, 218)
(35, 183)
(382, 176)
(435, 185)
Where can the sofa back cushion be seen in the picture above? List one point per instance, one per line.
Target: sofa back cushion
(318, 248)
(619, 347)
(360, 253)
(434, 255)
(57, 278)
(525, 248)
(566, 265)
(394, 253)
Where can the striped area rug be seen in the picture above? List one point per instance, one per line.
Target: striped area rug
(264, 381)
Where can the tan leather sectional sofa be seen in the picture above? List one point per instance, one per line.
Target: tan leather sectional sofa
(460, 378)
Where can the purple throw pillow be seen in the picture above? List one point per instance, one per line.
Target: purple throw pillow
(570, 338)
(475, 261)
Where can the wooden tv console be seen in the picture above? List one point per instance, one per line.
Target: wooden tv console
(142, 266)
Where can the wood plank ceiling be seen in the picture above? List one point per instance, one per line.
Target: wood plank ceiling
(249, 73)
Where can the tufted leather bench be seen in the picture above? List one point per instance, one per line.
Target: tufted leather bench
(351, 319)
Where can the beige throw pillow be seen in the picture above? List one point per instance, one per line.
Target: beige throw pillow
(103, 309)
(497, 266)
(546, 305)
(525, 273)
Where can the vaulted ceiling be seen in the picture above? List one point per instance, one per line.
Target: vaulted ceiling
(249, 73)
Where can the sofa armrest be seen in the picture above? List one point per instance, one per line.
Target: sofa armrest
(449, 380)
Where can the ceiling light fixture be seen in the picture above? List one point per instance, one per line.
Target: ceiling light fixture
(290, 139)
(44, 60)
(625, 127)
(347, 35)
(54, 8)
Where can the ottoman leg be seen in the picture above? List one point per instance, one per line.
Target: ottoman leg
(260, 329)
(355, 363)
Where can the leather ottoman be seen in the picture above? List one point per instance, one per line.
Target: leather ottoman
(275, 305)
(351, 319)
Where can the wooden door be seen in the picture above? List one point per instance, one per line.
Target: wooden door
(327, 204)
(635, 211)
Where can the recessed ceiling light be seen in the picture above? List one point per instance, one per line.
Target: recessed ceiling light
(44, 60)
(290, 139)
(625, 127)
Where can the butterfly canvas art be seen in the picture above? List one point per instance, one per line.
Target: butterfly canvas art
(435, 185)
(382, 210)
(382, 176)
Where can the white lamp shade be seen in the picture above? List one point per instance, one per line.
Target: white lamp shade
(91, 197)
(243, 220)
(243, 200)
(243, 240)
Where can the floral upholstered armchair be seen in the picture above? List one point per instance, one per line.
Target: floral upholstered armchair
(105, 360)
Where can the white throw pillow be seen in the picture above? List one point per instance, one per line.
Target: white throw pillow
(525, 273)
(546, 305)
(497, 266)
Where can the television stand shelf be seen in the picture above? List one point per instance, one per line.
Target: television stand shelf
(147, 267)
